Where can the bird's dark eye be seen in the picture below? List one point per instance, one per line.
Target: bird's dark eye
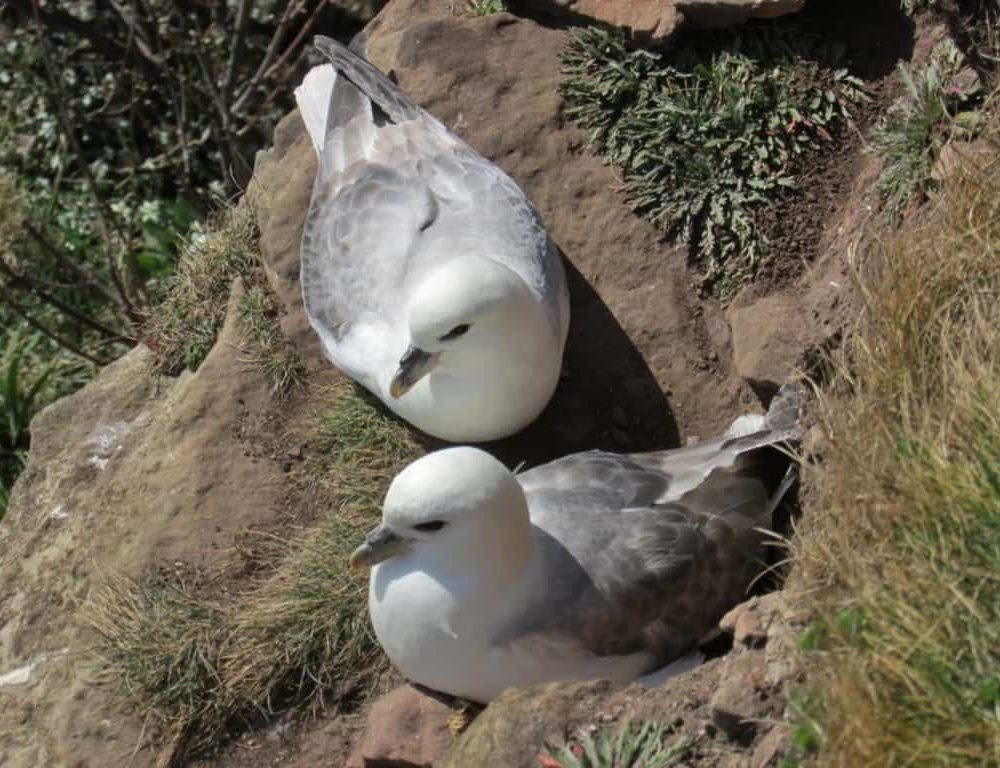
(430, 526)
(454, 333)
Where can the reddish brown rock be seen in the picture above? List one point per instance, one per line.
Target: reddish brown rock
(405, 729)
(651, 23)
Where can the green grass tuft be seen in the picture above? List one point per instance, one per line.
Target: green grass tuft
(708, 135)
(183, 328)
(269, 349)
(634, 745)
(300, 636)
(307, 626)
(160, 647)
(917, 126)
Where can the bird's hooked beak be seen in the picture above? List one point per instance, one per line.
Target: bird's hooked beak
(413, 366)
(380, 544)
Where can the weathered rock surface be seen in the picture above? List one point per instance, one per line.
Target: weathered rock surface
(404, 729)
(651, 23)
(730, 704)
(125, 472)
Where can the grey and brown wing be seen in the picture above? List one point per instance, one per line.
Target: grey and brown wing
(638, 557)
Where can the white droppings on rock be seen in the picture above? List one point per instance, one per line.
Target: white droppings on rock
(22, 674)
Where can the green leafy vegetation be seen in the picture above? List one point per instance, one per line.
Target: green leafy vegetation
(161, 649)
(932, 111)
(902, 554)
(122, 128)
(486, 7)
(299, 636)
(710, 133)
(634, 745)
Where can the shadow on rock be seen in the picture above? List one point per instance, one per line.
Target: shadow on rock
(608, 397)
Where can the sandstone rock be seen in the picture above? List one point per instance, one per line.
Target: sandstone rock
(773, 746)
(736, 704)
(123, 473)
(513, 730)
(958, 154)
(404, 729)
(653, 22)
(712, 14)
(768, 341)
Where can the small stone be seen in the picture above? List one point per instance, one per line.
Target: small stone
(735, 705)
(771, 748)
(404, 728)
(749, 630)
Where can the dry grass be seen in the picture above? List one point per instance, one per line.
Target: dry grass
(902, 549)
(298, 637)
(182, 329)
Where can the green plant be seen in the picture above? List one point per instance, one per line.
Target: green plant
(305, 631)
(160, 647)
(708, 135)
(486, 7)
(18, 403)
(918, 125)
(634, 745)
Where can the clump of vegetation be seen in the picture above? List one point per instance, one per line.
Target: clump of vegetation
(183, 328)
(634, 745)
(486, 7)
(305, 630)
(708, 134)
(122, 126)
(269, 349)
(903, 552)
(18, 398)
(298, 637)
(161, 648)
(931, 112)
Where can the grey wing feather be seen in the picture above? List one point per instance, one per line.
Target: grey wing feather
(636, 555)
(376, 86)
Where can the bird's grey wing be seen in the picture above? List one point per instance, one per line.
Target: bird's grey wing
(634, 555)
(369, 203)
(356, 244)
(479, 201)
(397, 106)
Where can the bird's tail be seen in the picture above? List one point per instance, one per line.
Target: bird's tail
(313, 99)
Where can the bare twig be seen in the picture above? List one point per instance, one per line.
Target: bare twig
(76, 267)
(103, 211)
(235, 49)
(18, 280)
(292, 9)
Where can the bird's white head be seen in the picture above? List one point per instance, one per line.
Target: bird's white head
(484, 352)
(456, 510)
